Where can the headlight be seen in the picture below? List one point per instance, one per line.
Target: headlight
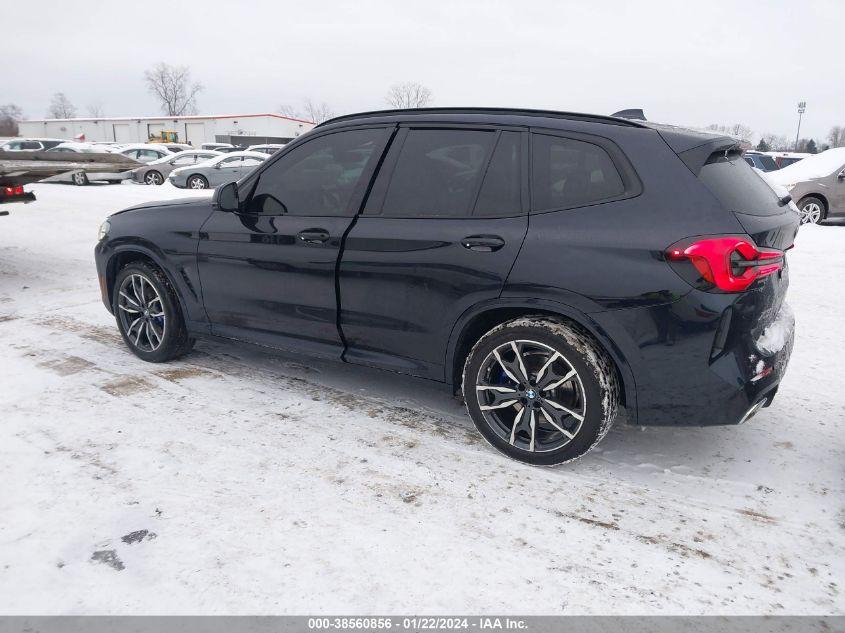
(791, 186)
(104, 231)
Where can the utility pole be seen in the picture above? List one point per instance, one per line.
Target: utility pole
(802, 107)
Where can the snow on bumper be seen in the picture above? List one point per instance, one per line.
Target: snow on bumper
(779, 334)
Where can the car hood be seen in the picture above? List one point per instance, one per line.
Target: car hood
(176, 202)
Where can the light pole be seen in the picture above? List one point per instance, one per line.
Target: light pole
(802, 107)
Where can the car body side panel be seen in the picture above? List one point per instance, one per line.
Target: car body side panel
(608, 256)
(830, 188)
(160, 233)
(606, 261)
(404, 282)
(608, 333)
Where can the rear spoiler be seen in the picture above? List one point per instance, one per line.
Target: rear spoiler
(696, 157)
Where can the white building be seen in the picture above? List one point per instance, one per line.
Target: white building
(242, 129)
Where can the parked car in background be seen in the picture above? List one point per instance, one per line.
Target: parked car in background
(785, 159)
(538, 261)
(156, 172)
(30, 144)
(217, 171)
(265, 148)
(817, 183)
(12, 191)
(146, 153)
(233, 148)
(215, 146)
(173, 147)
(761, 161)
(80, 148)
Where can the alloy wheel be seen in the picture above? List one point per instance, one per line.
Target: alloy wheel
(531, 396)
(197, 182)
(141, 313)
(153, 178)
(811, 213)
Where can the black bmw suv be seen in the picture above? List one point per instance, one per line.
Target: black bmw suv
(553, 267)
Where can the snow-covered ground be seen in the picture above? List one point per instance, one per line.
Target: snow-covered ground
(237, 481)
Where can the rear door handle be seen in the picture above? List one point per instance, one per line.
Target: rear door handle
(483, 243)
(313, 236)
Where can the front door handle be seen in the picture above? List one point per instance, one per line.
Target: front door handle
(483, 243)
(313, 236)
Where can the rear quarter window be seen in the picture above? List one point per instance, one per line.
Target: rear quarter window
(569, 173)
(738, 187)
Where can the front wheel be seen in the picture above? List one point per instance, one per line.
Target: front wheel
(148, 316)
(197, 182)
(80, 178)
(812, 210)
(153, 178)
(540, 391)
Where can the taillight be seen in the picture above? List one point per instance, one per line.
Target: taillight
(13, 191)
(729, 264)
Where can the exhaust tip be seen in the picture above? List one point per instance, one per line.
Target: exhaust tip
(753, 410)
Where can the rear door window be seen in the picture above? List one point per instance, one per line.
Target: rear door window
(148, 154)
(569, 173)
(501, 191)
(738, 187)
(438, 173)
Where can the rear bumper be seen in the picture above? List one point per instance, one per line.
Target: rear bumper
(692, 366)
(25, 197)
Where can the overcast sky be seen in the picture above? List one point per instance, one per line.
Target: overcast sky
(689, 63)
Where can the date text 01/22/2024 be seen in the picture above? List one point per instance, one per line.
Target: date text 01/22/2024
(417, 623)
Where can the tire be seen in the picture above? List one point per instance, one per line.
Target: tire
(583, 381)
(153, 178)
(812, 210)
(197, 182)
(161, 334)
(80, 178)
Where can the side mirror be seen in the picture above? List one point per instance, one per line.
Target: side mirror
(226, 197)
(842, 175)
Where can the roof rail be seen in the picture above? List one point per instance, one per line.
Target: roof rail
(573, 116)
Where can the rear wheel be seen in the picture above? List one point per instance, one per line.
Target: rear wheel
(812, 210)
(540, 391)
(148, 316)
(153, 178)
(197, 182)
(80, 178)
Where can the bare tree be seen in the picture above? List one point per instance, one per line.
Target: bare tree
(836, 136)
(95, 109)
(741, 131)
(311, 110)
(10, 114)
(408, 95)
(777, 142)
(173, 88)
(317, 112)
(61, 107)
(290, 111)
